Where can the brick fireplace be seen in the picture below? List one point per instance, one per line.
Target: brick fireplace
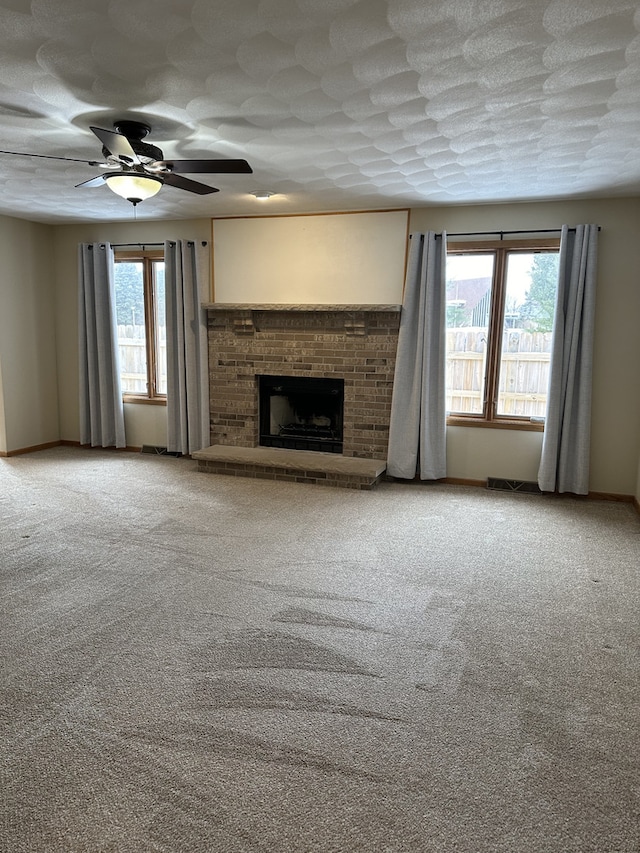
(353, 343)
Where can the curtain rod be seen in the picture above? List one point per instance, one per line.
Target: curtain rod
(502, 233)
(142, 245)
(137, 245)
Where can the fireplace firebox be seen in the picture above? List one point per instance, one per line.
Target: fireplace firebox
(301, 413)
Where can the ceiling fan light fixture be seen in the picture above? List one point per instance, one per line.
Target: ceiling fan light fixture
(132, 187)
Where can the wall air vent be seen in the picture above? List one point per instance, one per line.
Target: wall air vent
(498, 484)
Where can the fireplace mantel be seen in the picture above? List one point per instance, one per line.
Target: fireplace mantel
(251, 306)
(248, 318)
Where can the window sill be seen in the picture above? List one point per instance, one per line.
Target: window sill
(502, 423)
(145, 401)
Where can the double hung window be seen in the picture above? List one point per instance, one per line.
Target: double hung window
(500, 311)
(140, 311)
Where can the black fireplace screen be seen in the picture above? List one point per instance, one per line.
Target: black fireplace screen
(301, 413)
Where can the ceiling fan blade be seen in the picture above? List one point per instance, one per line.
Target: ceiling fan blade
(185, 184)
(95, 182)
(210, 167)
(116, 144)
(52, 157)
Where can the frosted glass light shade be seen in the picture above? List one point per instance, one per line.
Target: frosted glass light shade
(134, 187)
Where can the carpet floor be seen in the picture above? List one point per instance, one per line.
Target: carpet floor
(194, 663)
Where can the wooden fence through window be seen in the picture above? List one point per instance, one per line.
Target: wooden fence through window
(133, 360)
(524, 371)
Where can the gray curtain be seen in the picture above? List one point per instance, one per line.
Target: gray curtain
(417, 436)
(101, 409)
(186, 287)
(564, 465)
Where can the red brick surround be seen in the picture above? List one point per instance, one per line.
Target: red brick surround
(354, 342)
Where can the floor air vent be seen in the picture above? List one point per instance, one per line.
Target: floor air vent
(501, 485)
(159, 451)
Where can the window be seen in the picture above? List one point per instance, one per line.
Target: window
(500, 308)
(140, 312)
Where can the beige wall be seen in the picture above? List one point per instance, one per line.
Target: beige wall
(616, 392)
(28, 388)
(329, 259)
(39, 344)
(143, 424)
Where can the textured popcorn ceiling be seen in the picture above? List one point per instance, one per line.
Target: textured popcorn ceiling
(336, 104)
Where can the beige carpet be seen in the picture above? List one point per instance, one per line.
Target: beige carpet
(200, 664)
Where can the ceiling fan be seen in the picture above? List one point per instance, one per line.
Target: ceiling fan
(139, 169)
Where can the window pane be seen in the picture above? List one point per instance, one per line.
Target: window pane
(129, 289)
(469, 279)
(160, 327)
(531, 284)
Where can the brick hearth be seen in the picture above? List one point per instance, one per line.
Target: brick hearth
(356, 343)
(297, 466)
